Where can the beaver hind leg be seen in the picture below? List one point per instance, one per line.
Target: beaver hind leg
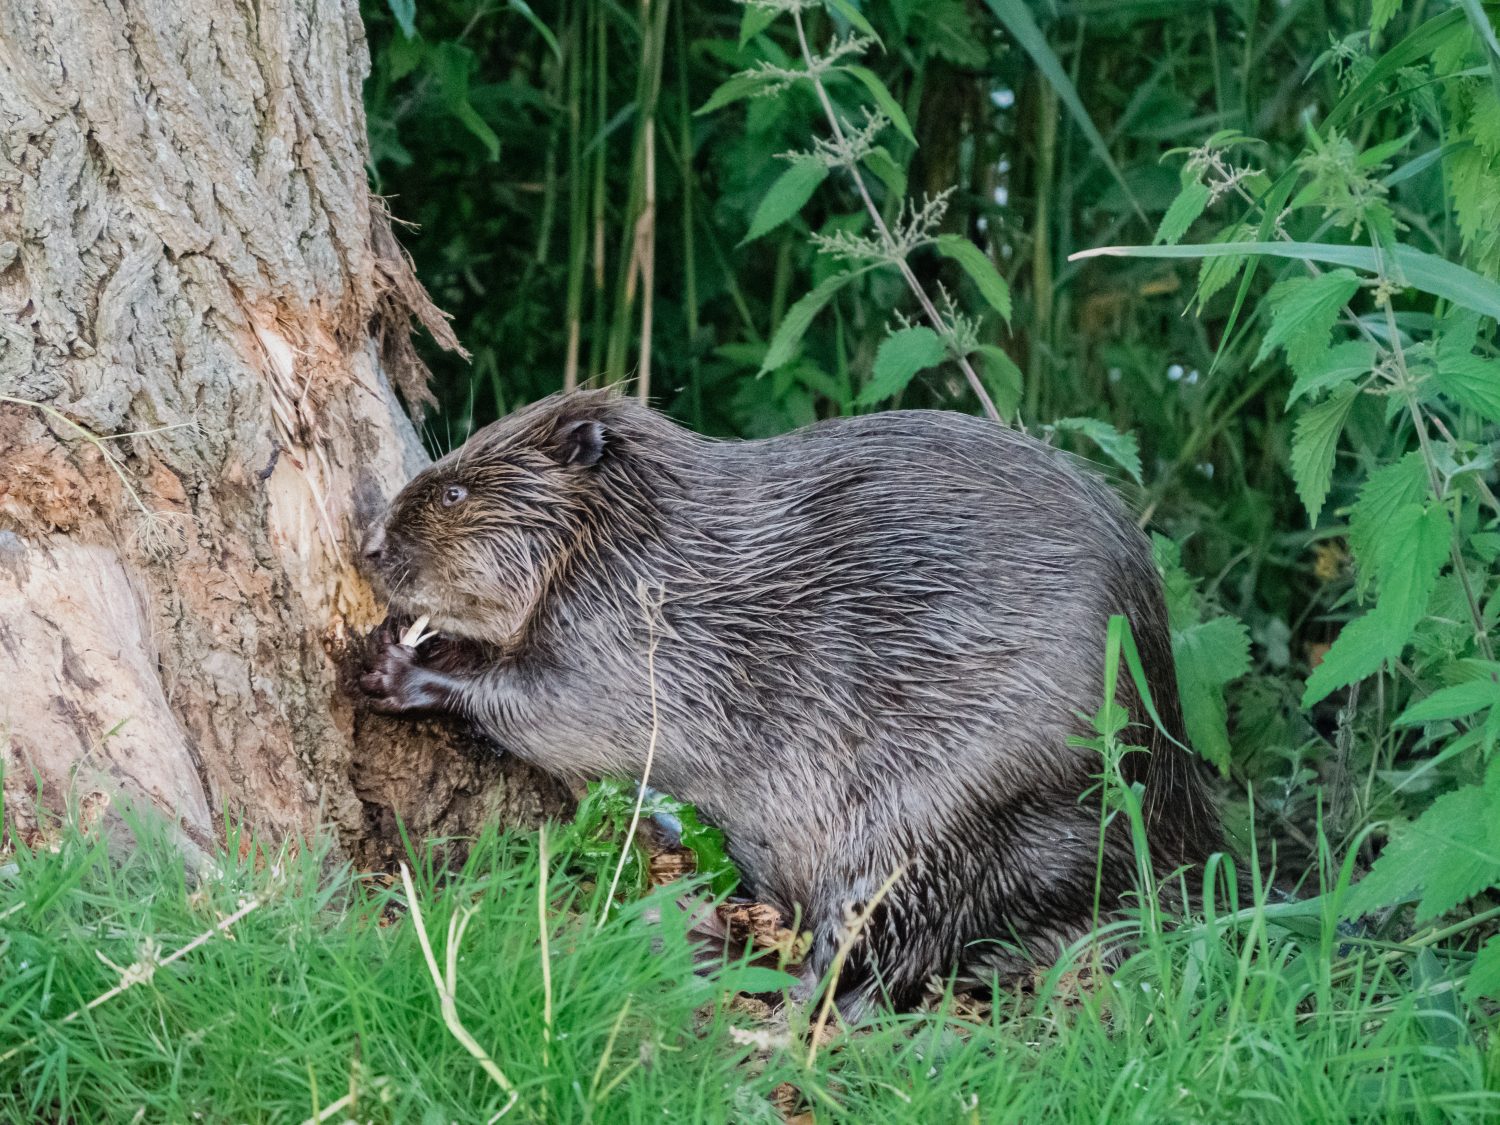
(988, 899)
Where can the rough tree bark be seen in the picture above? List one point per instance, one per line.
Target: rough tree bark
(192, 269)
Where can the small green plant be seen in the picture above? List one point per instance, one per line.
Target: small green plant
(599, 830)
(853, 147)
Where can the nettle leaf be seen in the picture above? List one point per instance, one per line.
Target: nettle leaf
(1382, 12)
(1002, 378)
(976, 263)
(1471, 381)
(1340, 364)
(855, 17)
(1408, 569)
(799, 318)
(901, 356)
(1120, 448)
(1419, 543)
(880, 161)
(1456, 702)
(730, 91)
(451, 65)
(1215, 273)
(1303, 312)
(710, 854)
(1387, 490)
(791, 191)
(1184, 606)
(884, 99)
(1484, 973)
(1208, 656)
(1448, 854)
(1315, 439)
(755, 20)
(1184, 210)
(1359, 651)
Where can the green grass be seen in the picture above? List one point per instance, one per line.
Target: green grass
(324, 990)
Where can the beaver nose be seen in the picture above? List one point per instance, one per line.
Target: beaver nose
(374, 545)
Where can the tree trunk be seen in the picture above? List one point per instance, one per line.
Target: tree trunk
(204, 312)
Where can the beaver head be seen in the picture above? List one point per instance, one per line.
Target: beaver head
(475, 540)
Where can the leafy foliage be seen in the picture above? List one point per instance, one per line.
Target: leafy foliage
(1211, 650)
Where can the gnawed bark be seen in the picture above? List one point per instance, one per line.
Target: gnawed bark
(192, 268)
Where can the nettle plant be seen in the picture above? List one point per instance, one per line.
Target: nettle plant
(891, 230)
(853, 147)
(1391, 348)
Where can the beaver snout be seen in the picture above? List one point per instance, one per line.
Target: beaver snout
(387, 557)
(373, 548)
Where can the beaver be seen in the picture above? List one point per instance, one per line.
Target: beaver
(860, 649)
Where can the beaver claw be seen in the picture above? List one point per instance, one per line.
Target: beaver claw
(397, 684)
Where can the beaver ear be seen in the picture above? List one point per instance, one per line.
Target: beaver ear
(580, 442)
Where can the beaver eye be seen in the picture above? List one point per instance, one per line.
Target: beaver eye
(453, 494)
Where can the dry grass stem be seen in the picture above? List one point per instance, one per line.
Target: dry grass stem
(854, 929)
(650, 609)
(330, 1109)
(447, 988)
(141, 971)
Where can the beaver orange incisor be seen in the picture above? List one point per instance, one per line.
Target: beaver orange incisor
(873, 640)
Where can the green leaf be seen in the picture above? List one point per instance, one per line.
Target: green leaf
(1418, 269)
(884, 99)
(1414, 548)
(1208, 656)
(902, 354)
(1183, 603)
(1336, 366)
(1385, 492)
(755, 20)
(405, 12)
(1418, 541)
(730, 91)
(1447, 855)
(1186, 208)
(799, 318)
(976, 263)
(755, 978)
(710, 855)
(1120, 448)
(791, 191)
(1303, 312)
(1484, 973)
(1419, 44)
(1215, 273)
(1018, 20)
(1002, 378)
(855, 17)
(1456, 702)
(879, 161)
(1471, 381)
(537, 25)
(1359, 651)
(1315, 439)
(1381, 12)
(451, 66)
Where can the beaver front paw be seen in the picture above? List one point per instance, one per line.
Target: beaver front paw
(398, 684)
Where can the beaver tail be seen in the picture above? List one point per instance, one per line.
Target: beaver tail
(1181, 820)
